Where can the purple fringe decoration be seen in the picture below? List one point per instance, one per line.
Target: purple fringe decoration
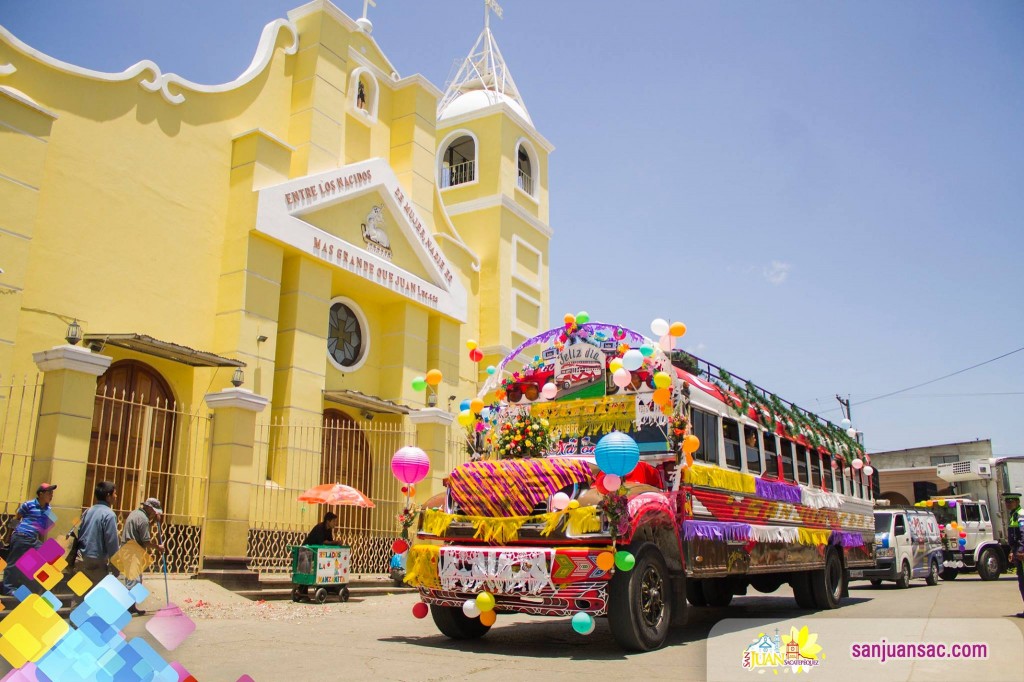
(847, 539)
(780, 492)
(716, 530)
(632, 338)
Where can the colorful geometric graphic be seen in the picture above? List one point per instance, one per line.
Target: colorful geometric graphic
(132, 560)
(30, 630)
(170, 626)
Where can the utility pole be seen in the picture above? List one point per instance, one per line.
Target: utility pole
(845, 406)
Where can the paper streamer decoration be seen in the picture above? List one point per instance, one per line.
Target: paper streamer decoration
(713, 477)
(780, 492)
(512, 486)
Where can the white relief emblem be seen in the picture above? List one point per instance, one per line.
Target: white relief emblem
(376, 238)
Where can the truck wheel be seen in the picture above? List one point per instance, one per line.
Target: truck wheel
(933, 574)
(801, 584)
(988, 565)
(717, 592)
(903, 579)
(827, 583)
(695, 593)
(948, 574)
(453, 623)
(640, 602)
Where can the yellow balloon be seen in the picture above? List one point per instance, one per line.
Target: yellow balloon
(691, 444)
(466, 418)
(662, 380)
(615, 365)
(485, 602)
(677, 329)
(476, 405)
(488, 617)
(471, 344)
(434, 377)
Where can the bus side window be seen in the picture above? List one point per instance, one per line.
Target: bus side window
(786, 453)
(815, 467)
(705, 427)
(753, 449)
(772, 466)
(827, 472)
(901, 525)
(731, 436)
(801, 465)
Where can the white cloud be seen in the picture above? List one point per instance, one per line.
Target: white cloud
(777, 272)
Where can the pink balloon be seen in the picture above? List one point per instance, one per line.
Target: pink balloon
(612, 482)
(622, 377)
(410, 465)
(666, 343)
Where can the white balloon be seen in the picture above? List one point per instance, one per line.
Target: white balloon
(471, 609)
(857, 463)
(851, 432)
(868, 470)
(559, 501)
(549, 391)
(659, 327)
(666, 343)
(846, 423)
(632, 360)
(622, 377)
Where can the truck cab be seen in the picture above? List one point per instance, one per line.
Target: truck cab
(968, 538)
(908, 545)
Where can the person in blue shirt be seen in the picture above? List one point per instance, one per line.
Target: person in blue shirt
(34, 521)
(97, 534)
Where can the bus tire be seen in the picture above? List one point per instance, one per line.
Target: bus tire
(717, 592)
(989, 564)
(827, 582)
(801, 584)
(640, 601)
(695, 593)
(903, 579)
(933, 574)
(453, 623)
(948, 573)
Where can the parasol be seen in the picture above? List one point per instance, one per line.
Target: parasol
(335, 493)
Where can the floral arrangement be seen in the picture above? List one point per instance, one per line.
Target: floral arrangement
(616, 510)
(677, 428)
(405, 520)
(527, 436)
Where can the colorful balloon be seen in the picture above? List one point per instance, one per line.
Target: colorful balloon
(666, 343)
(582, 317)
(662, 396)
(662, 380)
(466, 418)
(476, 405)
(399, 546)
(485, 601)
(420, 610)
(612, 482)
(659, 327)
(464, 405)
(583, 623)
(434, 377)
(471, 345)
(410, 465)
(857, 463)
(616, 453)
(677, 329)
(470, 608)
(549, 391)
(624, 561)
(419, 384)
(691, 444)
(622, 377)
(569, 319)
(632, 360)
(647, 350)
(559, 501)
(491, 369)
(615, 365)
(488, 618)
(605, 561)
(476, 355)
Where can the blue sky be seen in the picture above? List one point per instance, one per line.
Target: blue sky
(829, 195)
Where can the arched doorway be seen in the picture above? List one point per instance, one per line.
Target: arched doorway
(346, 458)
(895, 499)
(132, 435)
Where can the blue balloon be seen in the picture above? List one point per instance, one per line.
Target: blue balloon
(583, 623)
(464, 405)
(617, 453)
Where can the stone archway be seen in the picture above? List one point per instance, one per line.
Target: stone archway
(895, 499)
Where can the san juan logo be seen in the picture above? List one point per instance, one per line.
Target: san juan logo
(796, 652)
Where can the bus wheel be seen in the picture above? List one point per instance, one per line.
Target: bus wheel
(800, 581)
(640, 602)
(717, 592)
(948, 574)
(988, 564)
(453, 623)
(933, 574)
(827, 583)
(695, 593)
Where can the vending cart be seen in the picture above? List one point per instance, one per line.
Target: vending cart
(323, 567)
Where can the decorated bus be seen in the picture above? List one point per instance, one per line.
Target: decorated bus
(614, 476)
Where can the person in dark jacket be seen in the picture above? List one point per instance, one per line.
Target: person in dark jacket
(323, 532)
(1015, 539)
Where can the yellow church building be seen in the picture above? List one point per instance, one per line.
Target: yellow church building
(220, 295)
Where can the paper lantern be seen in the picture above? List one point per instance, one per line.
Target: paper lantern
(434, 377)
(410, 465)
(659, 327)
(549, 391)
(616, 453)
(632, 360)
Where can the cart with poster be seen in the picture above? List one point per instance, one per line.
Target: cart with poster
(323, 567)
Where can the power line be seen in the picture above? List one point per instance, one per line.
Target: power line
(952, 374)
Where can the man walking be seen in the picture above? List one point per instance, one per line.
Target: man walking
(34, 522)
(136, 527)
(1015, 539)
(98, 533)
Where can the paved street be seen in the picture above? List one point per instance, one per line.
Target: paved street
(378, 639)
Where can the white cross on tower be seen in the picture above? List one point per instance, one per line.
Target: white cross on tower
(491, 6)
(366, 5)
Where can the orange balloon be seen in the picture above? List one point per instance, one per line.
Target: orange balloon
(689, 459)
(677, 329)
(691, 444)
(488, 617)
(476, 406)
(662, 396)
(569, 318)
(434, 377)
(605, 561)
